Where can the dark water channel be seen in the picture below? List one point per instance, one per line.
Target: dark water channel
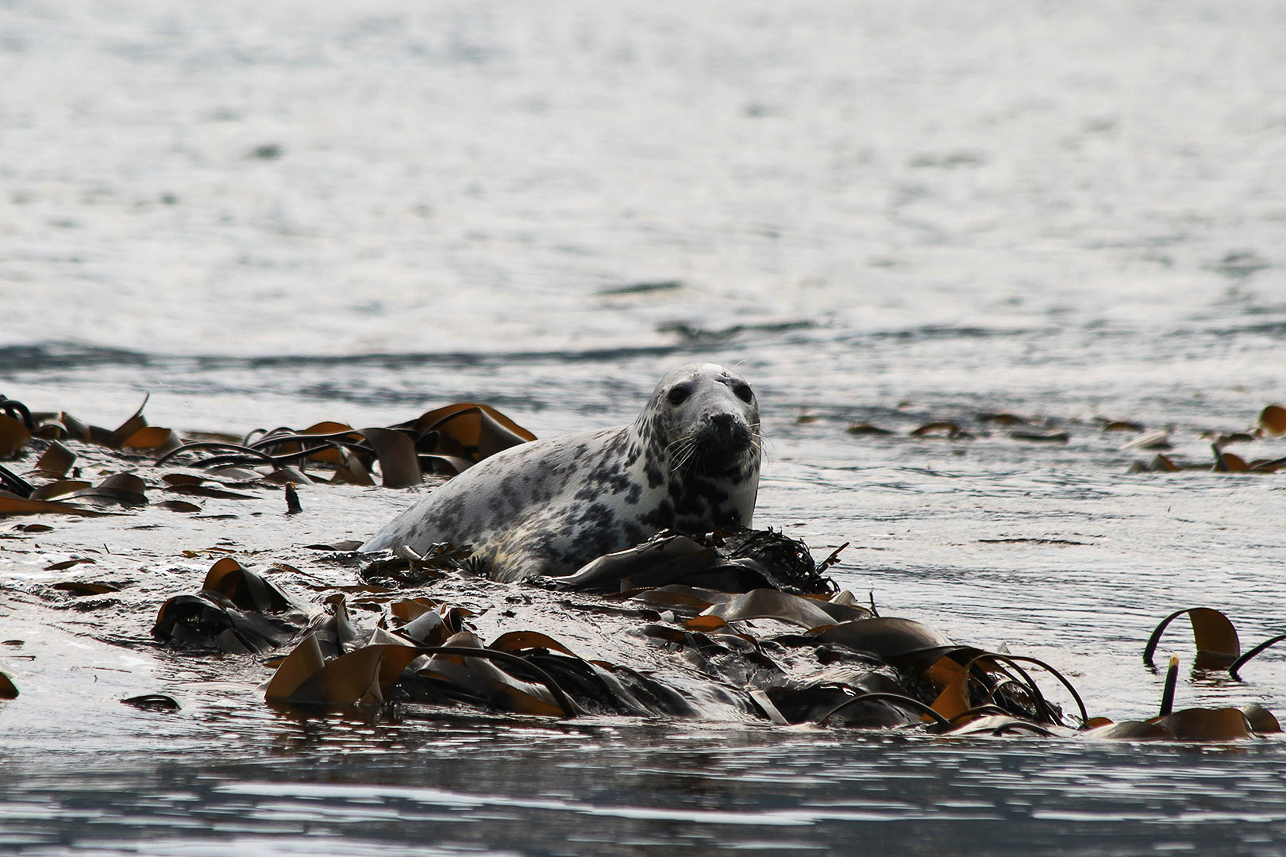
(620, 789)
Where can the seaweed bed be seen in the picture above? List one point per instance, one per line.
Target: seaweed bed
(742, 626)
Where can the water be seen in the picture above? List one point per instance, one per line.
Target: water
(273, 213)
(632, 790)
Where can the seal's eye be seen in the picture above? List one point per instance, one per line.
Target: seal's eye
(678, 395)
(743, 392)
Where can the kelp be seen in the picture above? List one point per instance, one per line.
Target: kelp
(246, 589)
(477, 673)
(900, 673)
(774, 604)
(1193, 724)
(81, 589)
(235, 611)
(360, 677)
(371, 675)
(443, 441)
(55, 462)
(424, 623)
(45, 431)
(404, 567)
(730, 560)
(153, 702)
(869, 672)
(868, 429)
(11, 504)
(1272, 420)
(17, 411)
(211, 622)
(118, 489)
(13, 436)
(1217, 644)
(132, 436)
(897, 700)
(1235, 668)
(1270, 424)
(948, 429)
(889, 638)
(744, 620)
(447, 440)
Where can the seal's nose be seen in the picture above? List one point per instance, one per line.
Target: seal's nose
(723, 424)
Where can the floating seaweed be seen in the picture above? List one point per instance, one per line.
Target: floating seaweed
(743, 620)
(898, 673)
(1270, 424)
(235, 610)
(444, 441)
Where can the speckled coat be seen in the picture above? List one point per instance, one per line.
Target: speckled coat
(689, 462)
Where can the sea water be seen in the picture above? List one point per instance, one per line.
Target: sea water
(891, 214)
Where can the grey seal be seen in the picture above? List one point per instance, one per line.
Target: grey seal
(689, 462)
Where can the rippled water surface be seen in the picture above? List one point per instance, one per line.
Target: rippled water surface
(274, 212)
(631, 790)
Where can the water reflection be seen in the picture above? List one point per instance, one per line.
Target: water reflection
(614, 789)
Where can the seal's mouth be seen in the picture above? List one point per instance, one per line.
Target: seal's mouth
(721, 445)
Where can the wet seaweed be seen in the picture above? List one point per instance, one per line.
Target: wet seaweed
(1270, 425)
(744, 620)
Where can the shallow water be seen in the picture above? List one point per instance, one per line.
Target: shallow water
(621, 790)
(273, 213)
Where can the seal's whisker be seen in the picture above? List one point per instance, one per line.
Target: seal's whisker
(675, 444)
(695, 456)
(697, 459)
(687, 451)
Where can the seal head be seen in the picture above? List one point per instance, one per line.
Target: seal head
(689, 462)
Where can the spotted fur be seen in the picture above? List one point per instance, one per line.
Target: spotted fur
(689, 462)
